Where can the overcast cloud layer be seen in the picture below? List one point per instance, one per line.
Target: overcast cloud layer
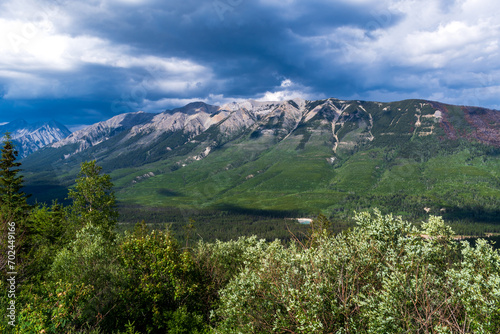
(80, 62)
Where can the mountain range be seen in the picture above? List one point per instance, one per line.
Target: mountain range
(29, 138)
(298, 156)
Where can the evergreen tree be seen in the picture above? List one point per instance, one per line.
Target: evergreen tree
(93, 199)
(12, 198)
(14, 209)
(48, 233)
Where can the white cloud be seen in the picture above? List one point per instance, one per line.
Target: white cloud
(49, 50)
(429, 35)
(286, 83)
(283, 95)
(429, 49)
(31, 51)
(288, 90)
(452, 43)
(26, 48)
(130, 2)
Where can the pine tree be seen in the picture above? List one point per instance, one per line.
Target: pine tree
(12, 198)
(14, 209)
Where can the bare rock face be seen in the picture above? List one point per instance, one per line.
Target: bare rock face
(191, 120)
(29, 138)
(200, 128)
(102, 131)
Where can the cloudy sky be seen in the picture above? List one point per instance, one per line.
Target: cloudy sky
(80, 62)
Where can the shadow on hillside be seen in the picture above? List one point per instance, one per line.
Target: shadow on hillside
(476, 214)
(47, 193)
(169, 193)
(234, 209)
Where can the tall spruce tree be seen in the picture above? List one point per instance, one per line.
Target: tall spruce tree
(13, 205)
(12, 199)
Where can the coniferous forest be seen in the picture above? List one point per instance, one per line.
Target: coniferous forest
(70, 269)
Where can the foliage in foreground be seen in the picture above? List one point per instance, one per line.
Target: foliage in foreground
(384, 276)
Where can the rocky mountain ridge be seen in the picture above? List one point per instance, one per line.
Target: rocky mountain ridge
(364, 121)
(29, 138)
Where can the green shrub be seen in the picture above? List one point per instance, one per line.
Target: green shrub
(57, 308)
(162, 288)
(476, 286)
(91, 259)
(383, 276)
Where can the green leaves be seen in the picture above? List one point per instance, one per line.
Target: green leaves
(384, 276)
(88, 258)
(56, 308)
(93, 199)
(162, 286)
(477, 286)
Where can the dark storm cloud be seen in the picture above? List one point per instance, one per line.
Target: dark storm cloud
(246, 43)
(82, 62)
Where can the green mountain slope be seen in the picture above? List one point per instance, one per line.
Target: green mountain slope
(410, 157)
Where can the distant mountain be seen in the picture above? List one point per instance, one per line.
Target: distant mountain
(141, 134)
(307, 156)
(29, 138)
(102, 131)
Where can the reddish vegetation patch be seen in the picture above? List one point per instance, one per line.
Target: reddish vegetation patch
(486, 124)
(445, 124)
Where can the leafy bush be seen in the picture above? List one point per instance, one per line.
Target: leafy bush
(49, 232)
(384, 276)
(476, 285)
(162, 288)
(57, 308)
(91, 259)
